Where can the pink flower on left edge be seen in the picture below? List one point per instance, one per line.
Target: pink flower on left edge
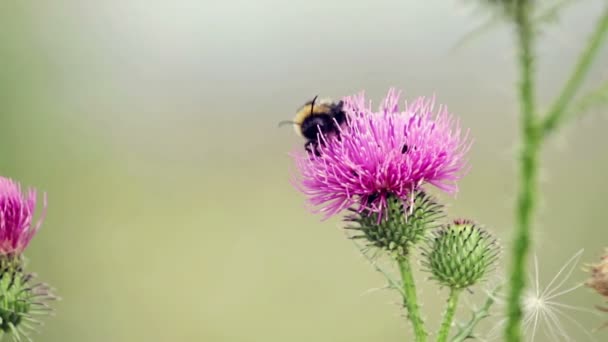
(16, 217)
(389, 152)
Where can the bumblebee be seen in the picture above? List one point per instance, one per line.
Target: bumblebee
(318, 116)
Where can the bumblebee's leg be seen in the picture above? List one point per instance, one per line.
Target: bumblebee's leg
(309, 146)
(312, 147)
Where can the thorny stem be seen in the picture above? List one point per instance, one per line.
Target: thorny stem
(528, 170)
(466, 331)
(533, 133)
(593, 98)
(448, 317)
(392, 283)
(545, 15)
(409, 299)
(558, 109)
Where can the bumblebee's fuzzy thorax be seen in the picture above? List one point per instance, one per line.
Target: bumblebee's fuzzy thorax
(318, 116)
(315, 110)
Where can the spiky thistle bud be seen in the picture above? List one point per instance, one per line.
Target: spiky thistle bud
(402, 225)
(20, 298)
(460, 254)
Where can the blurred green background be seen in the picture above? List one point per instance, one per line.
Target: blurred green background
(152, 125)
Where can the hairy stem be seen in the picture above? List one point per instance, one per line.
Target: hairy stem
(592, 99)
(448, 317)
(558, 109)
(409, 299)
(528, 170)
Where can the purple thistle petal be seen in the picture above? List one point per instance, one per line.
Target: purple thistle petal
(16, 214)
(391, 151)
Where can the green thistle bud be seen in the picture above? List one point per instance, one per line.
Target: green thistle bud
(21, 300)
(401, 225)
(460, 254)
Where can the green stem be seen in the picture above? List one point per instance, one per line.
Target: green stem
(528, 170)
(466, 331)
(533, 133)
(409, 299)
(556, 113)
(450, 310)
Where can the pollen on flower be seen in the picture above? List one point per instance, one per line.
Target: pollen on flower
(16, 217)
(381, 154)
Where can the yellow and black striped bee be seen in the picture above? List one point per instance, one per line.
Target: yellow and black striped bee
(318, 116)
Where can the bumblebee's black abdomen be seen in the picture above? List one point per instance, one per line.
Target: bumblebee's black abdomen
(315, 123)
(337, 111)
(340, 117)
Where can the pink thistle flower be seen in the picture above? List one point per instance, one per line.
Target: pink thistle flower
(16, 214)
(391, 152)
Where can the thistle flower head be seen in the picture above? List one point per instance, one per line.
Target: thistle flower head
(460, 254)
(405, 224)
(16, 217)
(382, 154)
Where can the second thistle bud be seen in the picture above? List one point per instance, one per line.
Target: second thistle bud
(460, 254)
(402, 225)
(22, 299)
